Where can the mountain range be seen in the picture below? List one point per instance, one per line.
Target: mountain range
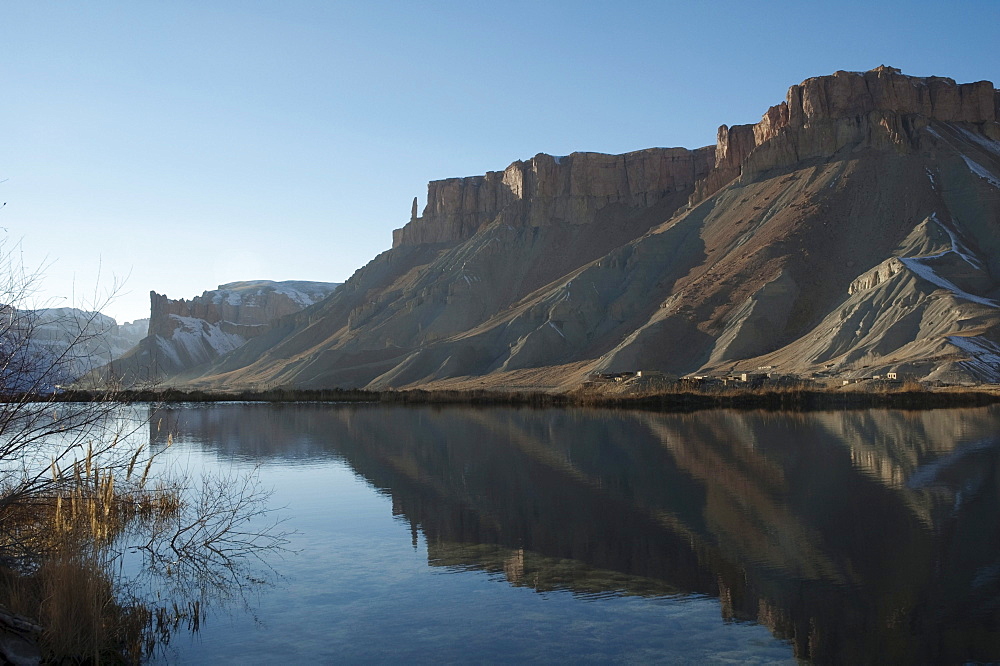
(853, 231)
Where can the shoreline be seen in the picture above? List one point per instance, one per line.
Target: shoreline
(680, 400)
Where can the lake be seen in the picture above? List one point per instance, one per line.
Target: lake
(457, 534)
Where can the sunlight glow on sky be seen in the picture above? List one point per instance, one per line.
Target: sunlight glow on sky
(182, 144)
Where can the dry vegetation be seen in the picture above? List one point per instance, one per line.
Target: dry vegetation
(60, 552)
(80, 488)
(662, 397)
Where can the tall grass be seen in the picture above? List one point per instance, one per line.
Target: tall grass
(58, 565)
(76, 602)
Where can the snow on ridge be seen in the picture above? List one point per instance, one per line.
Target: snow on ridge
(957, 247)
(980, 170)
(984, 356)
(984, 141)
(302, 292)
(975, 167)
(918, 266)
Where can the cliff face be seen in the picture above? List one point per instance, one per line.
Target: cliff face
(184, 333)
(547, 189)
(853, 230)
(238, 307)
(823, 115)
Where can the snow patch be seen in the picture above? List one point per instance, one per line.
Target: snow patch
(918, 265)
(197, 337)
(228, 297)
(168, 350)
(303, 293)
(556, 329)
(559, 158)
(302, 297)
(984, 141)
(980, 170)
(930, 177)
(984, 355)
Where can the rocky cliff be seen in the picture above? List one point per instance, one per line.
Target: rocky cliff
(546, 190)
(853, 230)
(824, 115)
(184, 333)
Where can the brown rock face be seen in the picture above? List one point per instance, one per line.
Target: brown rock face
(845, 94)
(548, 189)
(824, 114)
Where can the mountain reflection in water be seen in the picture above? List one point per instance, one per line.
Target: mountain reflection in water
(861, 536)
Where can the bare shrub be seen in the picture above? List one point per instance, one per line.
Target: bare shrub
(79, 490)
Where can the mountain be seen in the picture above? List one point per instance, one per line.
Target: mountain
(99, 337)
(134, 331)
(51, 346)
(852, 231)
(186, 333)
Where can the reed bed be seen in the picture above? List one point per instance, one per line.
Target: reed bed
(57, 551)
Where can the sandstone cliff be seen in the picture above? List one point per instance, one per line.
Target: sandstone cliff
(546, 190)
(826, 114)
(853, 230)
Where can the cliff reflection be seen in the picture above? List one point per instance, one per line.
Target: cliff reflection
(859, 536)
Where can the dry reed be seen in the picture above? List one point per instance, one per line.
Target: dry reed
(58, 555)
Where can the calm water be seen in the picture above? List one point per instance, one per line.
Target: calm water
(511, 535)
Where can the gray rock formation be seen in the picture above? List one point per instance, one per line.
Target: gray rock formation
(53, 346)
(185, 333)
(19, 639)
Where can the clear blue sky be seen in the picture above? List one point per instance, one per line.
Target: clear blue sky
(186, 144)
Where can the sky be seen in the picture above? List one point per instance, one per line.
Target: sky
(174, 146)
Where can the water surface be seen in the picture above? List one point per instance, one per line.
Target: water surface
(511, 535)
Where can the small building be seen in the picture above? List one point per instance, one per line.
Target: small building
(614, 376)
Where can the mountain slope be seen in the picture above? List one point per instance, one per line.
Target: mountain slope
(853, 230)
(482, 245)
